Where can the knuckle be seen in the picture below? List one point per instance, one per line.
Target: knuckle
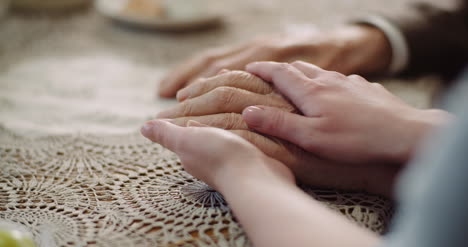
(196, 86)
(218, 66)
(186, 108)
(198, 81)
(355, 77)
(283, 67)
(238, 74)
(224, 95)
(333, 75)
(233, 121)
(200, 86)
(314, 87)
(297, 63)
(236, 77)
(377, 85)
(250, 82)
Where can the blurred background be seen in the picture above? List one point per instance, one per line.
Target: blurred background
(94, 66)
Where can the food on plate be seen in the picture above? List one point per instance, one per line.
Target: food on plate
(146, 8)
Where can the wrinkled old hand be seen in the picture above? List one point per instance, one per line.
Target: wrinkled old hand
(349, 49)
(218, 102)
(225, 93)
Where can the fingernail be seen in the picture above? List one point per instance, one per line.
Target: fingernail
(253, 116)
(147, 129)
(182, 95)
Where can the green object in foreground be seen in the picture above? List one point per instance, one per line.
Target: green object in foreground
(15, 238)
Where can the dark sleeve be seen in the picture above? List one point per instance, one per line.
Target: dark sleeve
(437, 36)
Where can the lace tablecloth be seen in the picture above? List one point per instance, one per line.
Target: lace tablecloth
(73, 93)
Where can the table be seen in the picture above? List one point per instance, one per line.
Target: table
(74, 91)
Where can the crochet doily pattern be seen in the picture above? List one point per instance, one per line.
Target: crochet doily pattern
(87, 190)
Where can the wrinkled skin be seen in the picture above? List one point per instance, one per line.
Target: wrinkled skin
(348, 49)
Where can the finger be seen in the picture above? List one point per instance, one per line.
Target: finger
(228, 121)
(193, 123)
(234, 62)
(307, 168)
(292, 127)
(267, 145)
(164, 133)
(187, 71)
(357, 78)
(177, 78)
(310, 70)
(223, 71)
(222, 100)
(287, 79)
(237, 79)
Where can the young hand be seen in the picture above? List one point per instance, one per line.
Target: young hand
(218, 157)
(260, 191)
(346, 118)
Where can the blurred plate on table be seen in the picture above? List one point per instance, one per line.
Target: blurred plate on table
(166, 15)
(48, 4)
(4, 5)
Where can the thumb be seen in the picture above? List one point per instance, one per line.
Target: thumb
(163, 132)
(272, 121)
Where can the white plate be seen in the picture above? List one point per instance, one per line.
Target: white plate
(48, 4)
(181, 15)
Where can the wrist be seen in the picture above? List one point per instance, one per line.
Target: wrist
(367, 50)
(418, 124)
(414, 126)
(351, 49)
(238, 175)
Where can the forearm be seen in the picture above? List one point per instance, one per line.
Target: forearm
(366, 49)
(418, 125)
(277, 213)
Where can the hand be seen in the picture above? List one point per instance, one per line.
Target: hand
(246, 177)
(218, 157)
(218, 102)
(346, 118)
(228, 92)
(350, 49)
